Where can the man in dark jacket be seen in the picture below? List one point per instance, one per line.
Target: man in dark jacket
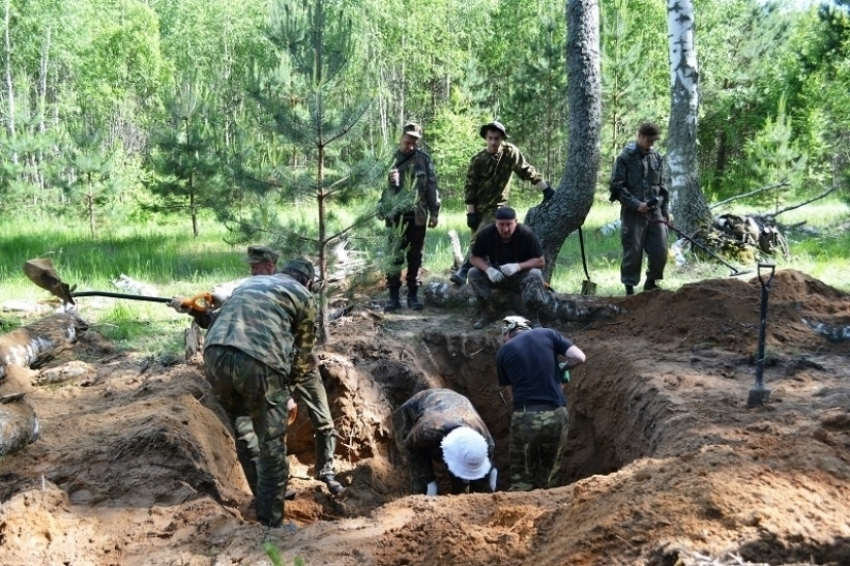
(638, 184)
(439, 423)
(410, 198)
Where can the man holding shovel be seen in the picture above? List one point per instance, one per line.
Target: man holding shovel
(637, 182)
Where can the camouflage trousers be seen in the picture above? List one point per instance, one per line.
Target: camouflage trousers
(310, 393)
(406, 241)
(637, 234)
(246, 387)
(527, 286)
(536, 446)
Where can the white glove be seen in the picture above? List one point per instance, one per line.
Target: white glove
(431, 489)
(494, 274)
(177, 303)
(494, 474)
(541, 184)
(511, 269)
(218, 300)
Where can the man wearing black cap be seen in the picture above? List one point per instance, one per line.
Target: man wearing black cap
(410, 197)
(507, 256)
(637, 182)
(488, 181)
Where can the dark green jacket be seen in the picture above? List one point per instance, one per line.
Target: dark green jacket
(417, 195)
(638, 177)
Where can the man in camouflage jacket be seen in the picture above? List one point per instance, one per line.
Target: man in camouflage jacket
(421, 424)
(637, 182)
(410, 197)
(488, 183)
(260, 343)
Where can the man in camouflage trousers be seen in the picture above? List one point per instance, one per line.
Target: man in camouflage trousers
(439, 423)
(309, 391)
(259, 343)
(637, 182)
(488, 183)
(410, 197)
(527, 364)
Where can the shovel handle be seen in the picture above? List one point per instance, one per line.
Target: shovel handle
(765, 283)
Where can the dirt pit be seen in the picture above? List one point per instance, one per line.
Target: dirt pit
(665, 464)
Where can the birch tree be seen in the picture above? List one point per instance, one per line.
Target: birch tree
(688, 203)
(556, 218)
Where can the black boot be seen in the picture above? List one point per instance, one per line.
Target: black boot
(630, 289)
(394, 303)
(650, 284)
(333, 485)
(413, 302)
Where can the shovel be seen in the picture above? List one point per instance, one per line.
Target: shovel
(759, 394)
(588, 287)
(41, 272)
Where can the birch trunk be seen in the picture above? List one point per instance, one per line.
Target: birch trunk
(688, 203)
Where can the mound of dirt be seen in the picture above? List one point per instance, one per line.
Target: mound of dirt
(664, 465)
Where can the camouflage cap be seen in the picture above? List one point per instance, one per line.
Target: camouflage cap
(259, 254)
(650, 131)
(494, 125)
(302, 266)
(413, 130)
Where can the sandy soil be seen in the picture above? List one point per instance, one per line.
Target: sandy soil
(665, 463)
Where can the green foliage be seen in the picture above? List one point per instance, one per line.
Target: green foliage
(277, 560)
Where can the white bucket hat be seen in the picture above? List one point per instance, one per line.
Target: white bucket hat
(465, 454)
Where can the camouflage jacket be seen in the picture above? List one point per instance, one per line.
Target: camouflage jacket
(417, 195)
(488, 179)
(272, 318)
(423, 421)
(638, 177)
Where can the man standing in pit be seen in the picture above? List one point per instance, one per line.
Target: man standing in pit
(488, 184)
(528, 368)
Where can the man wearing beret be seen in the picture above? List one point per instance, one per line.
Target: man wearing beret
(637, 182)
(410, 198)
(488, 183)
(507, 260)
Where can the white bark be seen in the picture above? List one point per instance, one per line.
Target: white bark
(10, 92)
(686, 197)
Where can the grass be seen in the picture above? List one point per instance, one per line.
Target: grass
(164, 253)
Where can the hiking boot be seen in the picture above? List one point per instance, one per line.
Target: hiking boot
(630, 290)
(414, 303)
(483, 320)
(333, 485)
(650, 284)
(394, 303)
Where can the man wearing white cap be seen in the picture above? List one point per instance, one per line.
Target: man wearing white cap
(529, 371)
(439, 423)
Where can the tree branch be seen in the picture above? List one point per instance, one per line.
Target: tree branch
(782, 183)
(820, 196)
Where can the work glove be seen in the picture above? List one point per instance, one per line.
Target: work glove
(432, 222)
(179, 304)
(472, 220)
(565, 372)
(494, 474)
(431, 489)
(510, 269)
(217, 300)
(548, 193)
(494, 275)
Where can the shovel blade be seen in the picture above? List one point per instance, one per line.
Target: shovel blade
(40, 271)
(588, 287)
(758, 396)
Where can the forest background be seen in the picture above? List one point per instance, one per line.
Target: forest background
(186, 120)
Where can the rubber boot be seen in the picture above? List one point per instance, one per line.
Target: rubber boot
(413, 302)
(459, 277)
(394, 303)
(650, 284)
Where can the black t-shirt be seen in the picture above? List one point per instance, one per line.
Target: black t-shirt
(522, 246)
(529, 364)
